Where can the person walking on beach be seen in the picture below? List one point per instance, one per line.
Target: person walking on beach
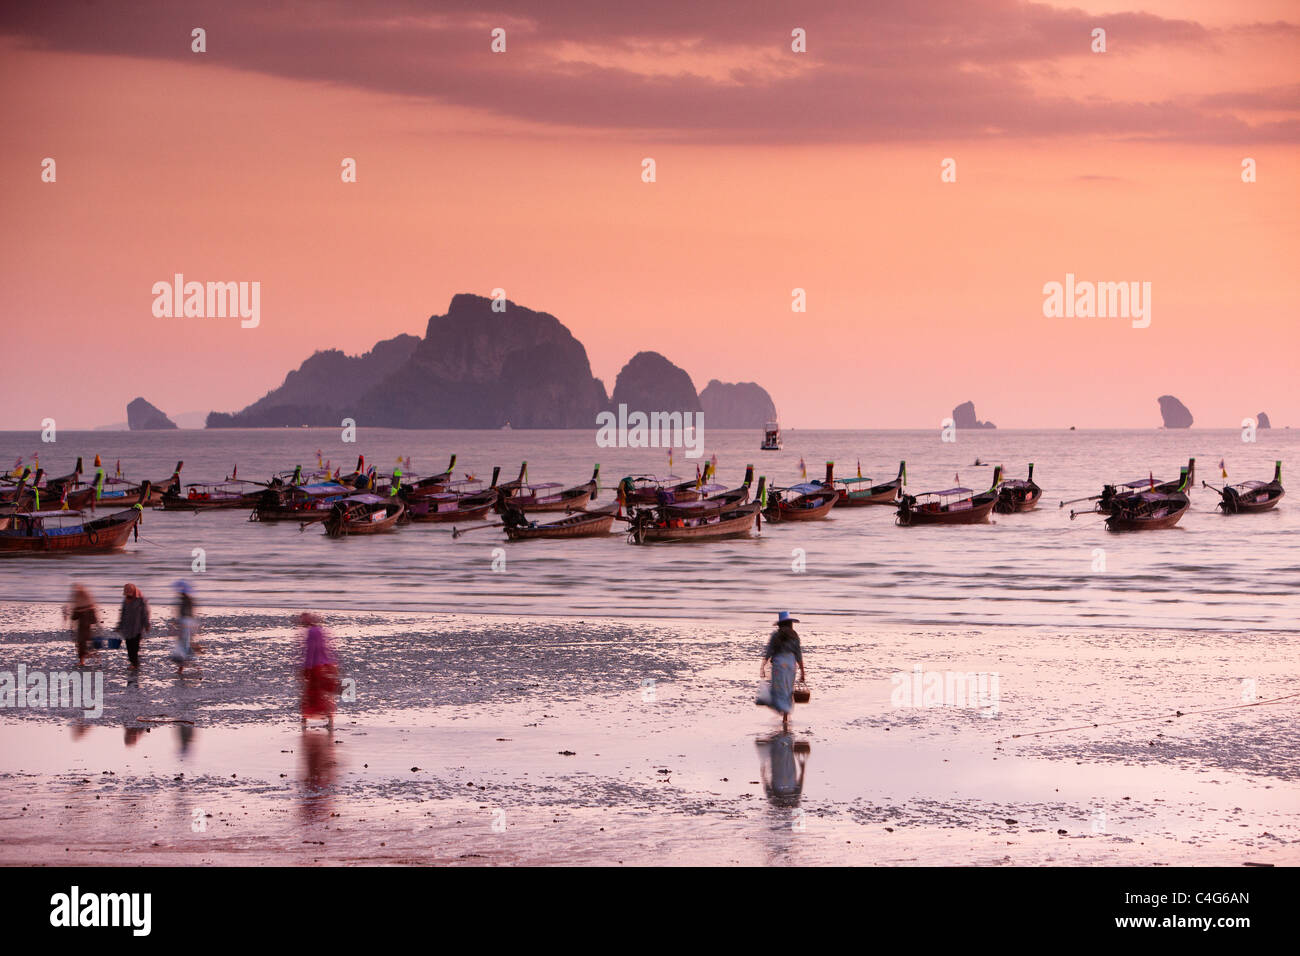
(320, 682)
(183, 650)
(783, 653)
(81, 612)
(133, 621)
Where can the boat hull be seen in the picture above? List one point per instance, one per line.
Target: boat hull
(100, 537)
(735, 526)
(348, 527)
(976, 514)
(579, 526)
(1124, 521)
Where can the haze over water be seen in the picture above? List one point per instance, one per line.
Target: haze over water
(1210, 572)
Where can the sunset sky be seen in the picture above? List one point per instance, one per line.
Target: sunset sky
(775, 170)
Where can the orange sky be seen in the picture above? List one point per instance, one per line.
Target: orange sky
(773, 172)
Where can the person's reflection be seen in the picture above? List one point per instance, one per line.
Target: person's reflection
(131, 734)
(782, 761)
(318, 775)
(80, 728)
(184, 738)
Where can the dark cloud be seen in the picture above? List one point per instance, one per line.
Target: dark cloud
(927, 70)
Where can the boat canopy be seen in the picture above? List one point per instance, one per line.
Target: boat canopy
(323, 488)
(854, 481)
(808, 488)
(368, 499)
(543, 486)
(950, 491)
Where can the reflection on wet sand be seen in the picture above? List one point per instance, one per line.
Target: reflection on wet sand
(184, 738)
(318, 775)
(782, 761)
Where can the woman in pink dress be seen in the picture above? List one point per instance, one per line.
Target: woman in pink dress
(320, 675)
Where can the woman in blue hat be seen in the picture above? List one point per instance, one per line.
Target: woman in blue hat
(784, 652)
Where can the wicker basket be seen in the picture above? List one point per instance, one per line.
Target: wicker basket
(801, 694)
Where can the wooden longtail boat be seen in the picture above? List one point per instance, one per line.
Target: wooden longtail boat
(809, 501)
(953, 506)
(1251, 497)
(1111, 492)
(67, 532)
(213, 496)
(364, 513)
(54, 485)
(650, 525)
(23, 495)
(455, 504)
(1149, 510)
(1018, 494)
(722, 501)
(858, 492)
(412, 486)
(583, 524)
(647, 490)
(303, 503)
(549, 496)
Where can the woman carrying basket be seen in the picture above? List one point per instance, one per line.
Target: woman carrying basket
(784, 652)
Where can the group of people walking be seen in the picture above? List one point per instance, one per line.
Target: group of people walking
(133, 622)
(318, 670)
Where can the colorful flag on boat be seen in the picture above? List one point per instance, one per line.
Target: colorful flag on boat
(803, 469)
(1152, 476)
(97, 461)
(1223, 468)
(118, 472)
(859, 467)
(670, 459)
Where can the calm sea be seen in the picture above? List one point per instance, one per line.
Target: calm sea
(1211, 571)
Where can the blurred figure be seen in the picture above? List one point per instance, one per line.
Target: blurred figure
(83, 615)
(783, 652)
(183, 650)
(133, 621)
(781, 764)
(319, 673)
(319, 771)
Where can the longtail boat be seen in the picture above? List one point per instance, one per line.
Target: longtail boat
(651, 525)
(1149, 510)
(23, 492)
(303, 503)
(721, 501)
(67, 532)
(951, 506)
(1116, 490)
(1018, 494)
(582, 524)
(213, 496)
(547, 496)
(857, 492)
(808, 501)
(1251, 497)
(53, 485)
(412, 486)
(463, 501)
(364, 513)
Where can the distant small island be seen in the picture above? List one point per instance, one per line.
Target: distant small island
(141, 416)
(963, 416)
(1174, 413)
(1261, 420)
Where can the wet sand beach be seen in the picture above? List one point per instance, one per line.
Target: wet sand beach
(482, 739)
